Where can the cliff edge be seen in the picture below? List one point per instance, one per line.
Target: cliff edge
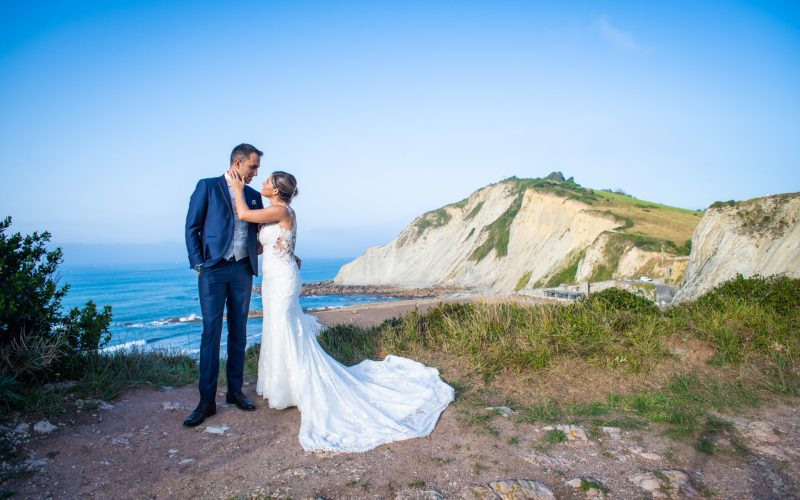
(758, 236)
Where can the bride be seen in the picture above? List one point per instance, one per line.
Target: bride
(342, 408)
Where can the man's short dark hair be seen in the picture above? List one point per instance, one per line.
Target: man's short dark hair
(243, 151)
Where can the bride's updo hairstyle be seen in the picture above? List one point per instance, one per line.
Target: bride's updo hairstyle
(286, 185)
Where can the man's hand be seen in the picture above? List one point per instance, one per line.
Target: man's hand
(299, 262)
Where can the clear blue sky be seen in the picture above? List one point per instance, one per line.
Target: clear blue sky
(112, 110)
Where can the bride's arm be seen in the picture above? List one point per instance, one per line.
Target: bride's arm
(266, 215)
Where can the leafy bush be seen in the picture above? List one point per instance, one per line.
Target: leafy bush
(623, 300)
(722, 204)
(86, 330)
(30, 299)
(779, 293)
(35, 335)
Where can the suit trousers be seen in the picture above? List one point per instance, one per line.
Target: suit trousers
(225, 283)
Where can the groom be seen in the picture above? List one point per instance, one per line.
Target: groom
(223, 251)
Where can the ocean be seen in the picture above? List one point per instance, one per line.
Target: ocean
(157, 306)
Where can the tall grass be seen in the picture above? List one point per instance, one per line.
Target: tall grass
(507, 336)
(100, 376)
(754, 321)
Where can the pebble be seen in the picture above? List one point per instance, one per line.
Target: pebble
(186, 461)
(675, 482)
(613, 432)
(419, 495)
(124, 441)
(519, 489)
(170, 406)
(44, 427)
(217, 429)
(36, 463)
(504, 411)
(22, 428)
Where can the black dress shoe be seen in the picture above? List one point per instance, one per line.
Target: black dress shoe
(240, 400)
(200, 413)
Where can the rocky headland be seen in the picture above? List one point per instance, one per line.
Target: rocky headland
(522, 234)
(758, 236)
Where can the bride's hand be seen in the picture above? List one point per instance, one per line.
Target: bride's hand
(235, 181)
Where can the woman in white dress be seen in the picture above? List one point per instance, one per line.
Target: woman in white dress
(342, 408)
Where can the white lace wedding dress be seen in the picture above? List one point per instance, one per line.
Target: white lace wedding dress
(342, 408)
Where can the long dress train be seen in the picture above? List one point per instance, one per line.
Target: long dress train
(342, 408)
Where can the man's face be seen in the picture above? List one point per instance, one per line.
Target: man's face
(248, 167)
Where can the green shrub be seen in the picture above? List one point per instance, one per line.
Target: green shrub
(9, 391)
(35, 336)
(86, 330)
(747, 316)
(30, 299)
(722, 204)
(623, 300)
(778, 293)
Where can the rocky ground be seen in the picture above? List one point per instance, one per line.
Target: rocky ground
(136, 447)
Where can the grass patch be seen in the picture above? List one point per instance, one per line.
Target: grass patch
(104, 376)
(555, 436)
(349, 344)
(752, 324)
(549, 412)
(498, 337)
(568, 273)
(472, 213)
(498, 233)
(523, 281)
(588, 484)
(432, 219)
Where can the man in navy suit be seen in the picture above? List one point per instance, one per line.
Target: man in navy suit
(223, 250)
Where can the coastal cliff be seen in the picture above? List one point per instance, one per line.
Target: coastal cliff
(526, 233)
(758, 236)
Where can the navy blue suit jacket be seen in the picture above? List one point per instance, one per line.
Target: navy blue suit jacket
(209, 223)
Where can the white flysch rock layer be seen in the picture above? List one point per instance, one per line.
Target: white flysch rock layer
(724, 245)
(548, 232)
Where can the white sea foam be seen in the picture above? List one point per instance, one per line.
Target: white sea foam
(127, 345)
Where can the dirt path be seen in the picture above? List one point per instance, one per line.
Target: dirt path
(136, 447)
